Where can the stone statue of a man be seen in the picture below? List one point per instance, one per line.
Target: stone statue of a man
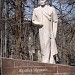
(45, 17)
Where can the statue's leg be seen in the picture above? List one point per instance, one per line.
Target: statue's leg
(52, 61)
(53, 51)
(45, 49)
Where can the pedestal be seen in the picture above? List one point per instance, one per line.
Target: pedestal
(24, 67)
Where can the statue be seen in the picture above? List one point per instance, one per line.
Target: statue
(46, 19)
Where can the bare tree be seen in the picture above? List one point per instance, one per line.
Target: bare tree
(65, 10)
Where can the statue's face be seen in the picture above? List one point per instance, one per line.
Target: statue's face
(42, 2)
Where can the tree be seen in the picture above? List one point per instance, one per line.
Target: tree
(65, 33)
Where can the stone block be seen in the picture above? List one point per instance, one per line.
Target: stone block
(23, 67)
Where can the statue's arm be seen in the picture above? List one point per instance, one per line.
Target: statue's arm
(34, 20)
(55, 22)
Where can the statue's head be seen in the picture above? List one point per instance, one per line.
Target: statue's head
(42, 2)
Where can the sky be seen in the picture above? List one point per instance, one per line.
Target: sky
(30, 7)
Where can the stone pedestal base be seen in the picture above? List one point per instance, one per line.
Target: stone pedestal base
(22, 67)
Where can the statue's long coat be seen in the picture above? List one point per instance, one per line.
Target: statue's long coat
(47, 17)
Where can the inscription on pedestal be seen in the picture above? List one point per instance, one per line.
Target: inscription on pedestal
(22, 67)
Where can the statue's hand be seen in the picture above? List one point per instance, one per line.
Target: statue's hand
(38, 24)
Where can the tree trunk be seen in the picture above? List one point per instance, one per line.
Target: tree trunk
(19, 20)
(6, 18)
(0, 9)
(1, 43)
